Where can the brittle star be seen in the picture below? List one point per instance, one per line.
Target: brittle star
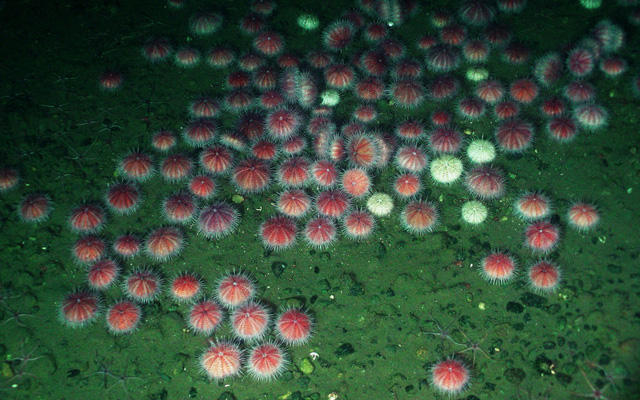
(614, 373)
(123, 380)
(473, 346)
(16, 315)
(595, 393)
(443, 331)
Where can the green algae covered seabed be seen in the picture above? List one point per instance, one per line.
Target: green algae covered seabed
(374, 302)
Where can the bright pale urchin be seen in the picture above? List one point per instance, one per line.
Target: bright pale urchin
(481, 151)
(308, 22)
(477, 74)
(474, 212)
(446, 169)
(330, 98)
(380, 204)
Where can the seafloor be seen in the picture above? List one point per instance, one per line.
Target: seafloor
(375, 301)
